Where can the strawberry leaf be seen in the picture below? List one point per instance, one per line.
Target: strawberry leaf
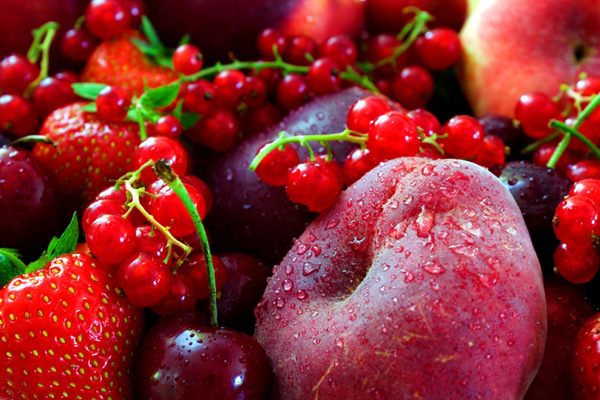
(88, 90)
(189, 119)
(58, 246)
(11, 265)
(161, 96)
(90, 107)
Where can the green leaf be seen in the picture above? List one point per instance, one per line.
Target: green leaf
(58, 246)
(150, 32)
(160, 97)
(10, 265)
(90, 107)
(88, 90)
(189, 119)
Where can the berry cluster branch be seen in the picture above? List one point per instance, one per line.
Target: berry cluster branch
(40, 47)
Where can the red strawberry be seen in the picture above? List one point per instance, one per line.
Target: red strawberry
(90, 153)
(67, 332)
(119, 62)
(586, 360)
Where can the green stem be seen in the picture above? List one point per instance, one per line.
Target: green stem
(560, 149)
(592, 105)
(347, 136)
(42, 39)
(166, 173)
(571, 131)
(533, 146)
(20, 265)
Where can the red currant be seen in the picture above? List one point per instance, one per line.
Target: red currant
(301, 50)
(542, 155)
(382, 47)
(584, 169)
(392, 135)
(534, 111)
(52, 93)
(77, 44)
(313, 184)
(150, 240)
(202, 187)
(145, 279)
(465, 136)
(106, 18)
(589, 188)
(273, 168)
(16, 74)
(187, 59)
(17, 115)
(293, 91)
(271, 40)
(323, 76)
(255, 91)
(576, 264)
(576, 221)
(365, 110)
(198, 96)
(491, 153)
(111, 238)
(218, 131)
(229, 88)
(195, 269)
(168, 126)
(341, 49)
(182, 296)
(357, 163)
(169, 211)
(439, 48)
(158, 148)
(413, 87)
(112, 104)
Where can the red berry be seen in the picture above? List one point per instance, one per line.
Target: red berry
(112, 104)
(393, 135)
(586, 357)
(198, 96)
(17, 115)
(576, 221)
(255, 91)
(292, 91)
(357, 163)
(52, 93)
(268, 39)
(465, 136)
(323, 76)
(491, 153)
(534, 111)
(542, 155)
(187, 59)
(413, 87)
(365, 110)
(426, 121)
(439, 48)
(202, 187)
(111, 238)
(218, 130)
(382, 47)
(77, 44)
(273, 168)
(313, 184)
(158, 148)
(150, 240)
(301, 50)
(229, 88)
(99, 208)
(16, 74)
(577, 264)
(169, 211)
(341, 49)
(106, 18)
(584, 169)
(145, 279)
(195, 269)
(182, 296)
(168, 126)
(589, 188)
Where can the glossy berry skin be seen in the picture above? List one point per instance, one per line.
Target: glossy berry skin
(255, 91)
(357, 163)
(412, 87)
(301, 50)
(313, 184)
(534, 111)
(586, 356)
(439, 48)
(106, 18)
(198, 96)
(77, 44)
(393, 135)
(271, 40)
(150, 240)
(68, 316)
(542, 155)
(341, 49)
(16, 74)
(182, 296)
(229, 88)
(382, 47)
(218, 130)
(170, 212)
(491, 153)
(219, 363)
(112, 104)
(195, 269)
(17, 115)
(273, 168)
(589, 188)
(426, 121)
(145, 279)
(158, 148)
(365, 110)
(32, 207)
(111, 238)
(99, 208)
(323, 76)
(169, 126)
(187, 59)
(577, 264)
(576, 220)
(584, 169)
(52, 93)
(465, 136)
(293, 91)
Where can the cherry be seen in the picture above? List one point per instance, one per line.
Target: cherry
(198, 96)
(187, 59)
(534, 111)
(168, 126)
(313, 184)
(507, 130)
(145, 279)
(17, 115)
(150, 240)
(301, 50)
(439, 48)
(112, 104)
(394, 134)
(16, 74)
(365, 110)
(357, 163)
(77, 44)
(106, 18)
(576, 221)
(52, 93)
(584, 169)
(111, 238)
(341, 49)
(218, 130)
(293, 91)
(181, 297)
(158, 148)
(195, 269)
(577, 264)
(413, 87)
(268, 39)
(465, 136)
(273, 168)
(218, 363)
(169, 211)
(323, 76)
(229, 88)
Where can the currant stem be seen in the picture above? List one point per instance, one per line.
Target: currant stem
(42, 39)
(571, 131)
(347, 136)
(166, 173)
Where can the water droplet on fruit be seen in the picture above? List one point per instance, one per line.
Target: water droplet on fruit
(229, 174)
(427, 170)
(433, 267)
(408, 276)
(464, 382)
(339, 343)
(384, 329)
(316, 250)
(488, 280)
(280, 302)
(301, 294)
(332, 224)
(382, 289)
(466, 250)
(511, 231)
(289, 269)
(407, 199)
(288, 285)
(310, 268)
(320, 115)
(510, 343)
(353, 317)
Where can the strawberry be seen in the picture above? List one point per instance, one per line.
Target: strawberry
(120, 62)
(586, 360)
(67, 332)
(91, 151)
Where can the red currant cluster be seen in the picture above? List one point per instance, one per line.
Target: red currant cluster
(382, 133)
(143, 229)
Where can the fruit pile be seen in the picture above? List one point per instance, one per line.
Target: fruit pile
(258, 200)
